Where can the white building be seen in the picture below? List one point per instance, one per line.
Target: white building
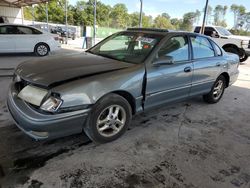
(10, 11)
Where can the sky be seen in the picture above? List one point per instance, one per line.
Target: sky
(175, 8)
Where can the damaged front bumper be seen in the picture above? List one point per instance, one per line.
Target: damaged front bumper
(42, 126)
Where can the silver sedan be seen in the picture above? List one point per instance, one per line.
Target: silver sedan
(129, 72)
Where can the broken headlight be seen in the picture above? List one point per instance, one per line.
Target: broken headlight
(52, 104)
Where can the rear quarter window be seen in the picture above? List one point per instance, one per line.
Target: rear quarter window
(36, 32)
(202, 48)
(217, 49)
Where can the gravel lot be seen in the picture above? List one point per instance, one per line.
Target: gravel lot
(188, 144)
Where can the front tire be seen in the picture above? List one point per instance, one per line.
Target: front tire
(109, 119)
(243, 58)
(217, 91)
(41, 49)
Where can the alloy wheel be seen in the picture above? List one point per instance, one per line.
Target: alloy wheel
(42, 50)
(111, 120)
(218, 89)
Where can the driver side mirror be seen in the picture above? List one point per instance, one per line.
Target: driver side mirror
(164, 60)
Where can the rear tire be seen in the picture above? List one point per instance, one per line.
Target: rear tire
(217, 91)
(109, 119)
(42, 49)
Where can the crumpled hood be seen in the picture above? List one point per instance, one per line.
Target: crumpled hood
(55, 70)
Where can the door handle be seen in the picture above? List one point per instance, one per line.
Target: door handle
(187, 69)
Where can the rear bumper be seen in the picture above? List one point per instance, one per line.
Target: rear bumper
(234, 77)
(44, 126)
(54, 46)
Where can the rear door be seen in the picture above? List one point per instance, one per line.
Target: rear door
(7, 39)
(26, 39)
(167, 83)
(207, 65)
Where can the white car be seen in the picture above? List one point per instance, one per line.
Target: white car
(236, 44)
(22, 39)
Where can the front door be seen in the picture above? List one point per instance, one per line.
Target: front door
(25, 39)
(170, 82)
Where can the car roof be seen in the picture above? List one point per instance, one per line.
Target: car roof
(162, 31)
(2, 24)
(11, 24)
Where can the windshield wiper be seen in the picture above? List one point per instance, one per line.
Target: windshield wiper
(106, 55)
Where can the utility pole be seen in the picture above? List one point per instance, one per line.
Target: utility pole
(22, 15)
(33, 15)
(140, 21)
(94, 22)
(47, 16)
(204, 18)
(66, 20)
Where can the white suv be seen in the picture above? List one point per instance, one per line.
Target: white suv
(239, 45)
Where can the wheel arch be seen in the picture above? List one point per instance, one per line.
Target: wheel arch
(129, 97)
(230, 46)
(44, 43)
(227, 77)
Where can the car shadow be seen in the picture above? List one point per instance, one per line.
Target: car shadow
(17, 54)
(58, 52)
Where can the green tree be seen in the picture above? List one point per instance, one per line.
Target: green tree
(237, 11)
(120, 16)
(166, 15)
(209, 15)
(219, 15)
(56, 12)
(197, 16)
(162, 22)
(147, 21)
(28, 13)
(176, 23)
(188, 21)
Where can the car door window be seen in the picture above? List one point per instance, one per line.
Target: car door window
(3, 30)
(176, 48)
(202, 48)
(8, 30)
(24, 30)
(209, 31)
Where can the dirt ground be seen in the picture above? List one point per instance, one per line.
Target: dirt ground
(189, 144)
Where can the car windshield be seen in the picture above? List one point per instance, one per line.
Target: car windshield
(223, 31)
(131, 47)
